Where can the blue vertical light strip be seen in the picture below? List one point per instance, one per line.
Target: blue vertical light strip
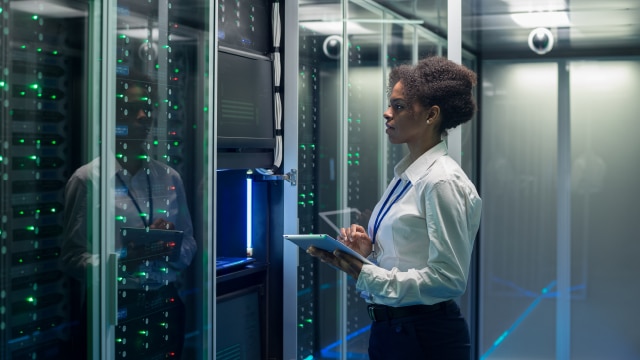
(249, 213)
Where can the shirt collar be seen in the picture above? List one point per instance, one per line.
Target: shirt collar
(414, 171)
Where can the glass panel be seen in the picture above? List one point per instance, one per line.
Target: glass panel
(604, 209)
(43, 81)
(364, 101)
(518, 263)
(159, 176)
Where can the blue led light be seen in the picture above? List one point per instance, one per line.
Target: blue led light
(249, 211)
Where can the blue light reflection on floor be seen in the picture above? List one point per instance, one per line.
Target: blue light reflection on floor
(544, 294)
(330, 351)
(536, 301)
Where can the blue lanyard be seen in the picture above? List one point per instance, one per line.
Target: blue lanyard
(149, 216)
(385, 209)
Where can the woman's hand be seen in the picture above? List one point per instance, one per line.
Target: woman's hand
(357, 239)
(338, 260)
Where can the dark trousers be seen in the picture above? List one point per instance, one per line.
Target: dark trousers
(441, 334)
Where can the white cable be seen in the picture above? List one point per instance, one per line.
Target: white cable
(277, 102)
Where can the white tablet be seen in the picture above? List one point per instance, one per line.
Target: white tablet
(324, 242)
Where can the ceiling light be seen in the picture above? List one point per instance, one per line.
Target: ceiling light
(549, 19)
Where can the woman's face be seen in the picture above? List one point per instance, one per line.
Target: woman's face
(135, 112)
(405, 123)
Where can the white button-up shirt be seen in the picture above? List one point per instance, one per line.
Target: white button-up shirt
(424, 240)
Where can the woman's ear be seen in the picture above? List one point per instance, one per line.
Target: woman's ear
(433, 114)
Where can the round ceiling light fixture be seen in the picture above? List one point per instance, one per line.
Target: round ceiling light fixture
(541, 40)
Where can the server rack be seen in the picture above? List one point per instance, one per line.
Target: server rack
(42, 58)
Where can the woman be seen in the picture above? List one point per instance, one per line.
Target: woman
(421, 232)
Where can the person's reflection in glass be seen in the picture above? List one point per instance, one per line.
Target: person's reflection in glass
(149, 195)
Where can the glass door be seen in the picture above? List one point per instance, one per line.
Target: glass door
(104, 183)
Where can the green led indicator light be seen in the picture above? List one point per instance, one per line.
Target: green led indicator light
(175, 107)
(176, 143)
(55, 52)
(31, 228)
(157, 66)
(161, 211)
(119, 218)
(39, 49)
(143, 332)
(21, 141)
(22, 93)
(31, 299)
(34, 17)
(206, 109)
(122, 36)
(23, 46)
(155, 142)
(176, 70)
(142, 157)
(53, 97)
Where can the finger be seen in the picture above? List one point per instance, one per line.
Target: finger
(343, 234)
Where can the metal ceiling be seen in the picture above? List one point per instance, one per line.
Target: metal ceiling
(595, 27)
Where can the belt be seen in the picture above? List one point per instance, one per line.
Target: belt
(385, 313)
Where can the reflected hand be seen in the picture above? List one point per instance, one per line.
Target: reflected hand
(162, 224)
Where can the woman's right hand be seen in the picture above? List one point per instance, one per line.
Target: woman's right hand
(356, 238)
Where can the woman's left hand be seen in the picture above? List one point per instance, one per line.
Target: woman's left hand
(338, 260)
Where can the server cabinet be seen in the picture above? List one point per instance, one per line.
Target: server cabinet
(126, 127)
(73, 283)
(42, 65)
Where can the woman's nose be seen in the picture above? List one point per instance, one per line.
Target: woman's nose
(387, 114)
